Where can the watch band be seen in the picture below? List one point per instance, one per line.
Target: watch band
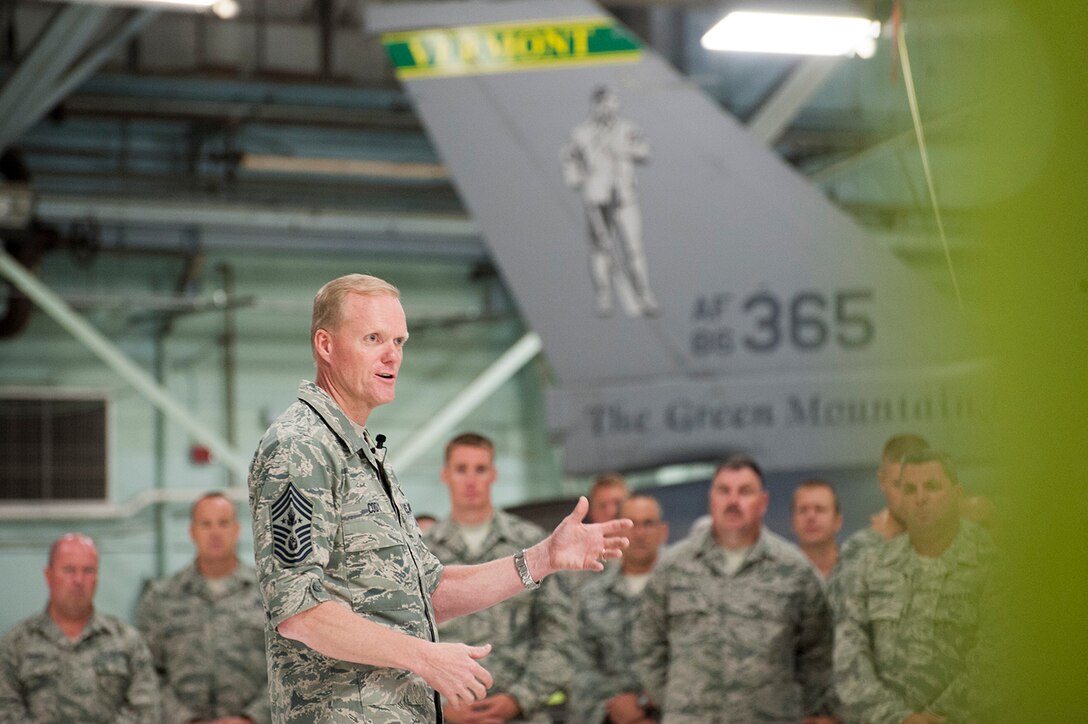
(523, 571)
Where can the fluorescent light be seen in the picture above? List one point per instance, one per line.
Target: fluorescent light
(793, 34)
(222, 8)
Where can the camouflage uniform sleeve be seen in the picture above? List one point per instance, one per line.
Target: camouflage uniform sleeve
(652, 638)
(150, 625)
(814, 643)
(142, 700)
(862, 696)
(293, 476)
(13, 708)
(546, 672)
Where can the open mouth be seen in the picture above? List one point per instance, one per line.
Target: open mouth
(385, 375)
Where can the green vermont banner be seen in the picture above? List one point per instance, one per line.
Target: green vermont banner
(509, 47)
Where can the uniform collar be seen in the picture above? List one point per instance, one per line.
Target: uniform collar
(45, 624)
(709, 549)
(192, 580)
(612, 578)
(336, 420)
(448, 532)
(964, 550)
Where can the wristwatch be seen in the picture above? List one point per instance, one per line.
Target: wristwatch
(523, 571)
(648, 709)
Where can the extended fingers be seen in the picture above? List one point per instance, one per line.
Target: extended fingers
(614, 527)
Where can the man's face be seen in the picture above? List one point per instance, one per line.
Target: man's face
(363, 354)
(737, 503)
(72, 578)
(888, 474)
(605, 502)
(214, 529)
(469, 473)
(648, 534)
(930, 500)
(815, 521)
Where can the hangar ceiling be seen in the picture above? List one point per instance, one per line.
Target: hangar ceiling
(148, 128)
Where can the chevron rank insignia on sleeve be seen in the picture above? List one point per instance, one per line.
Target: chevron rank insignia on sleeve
(292, 515)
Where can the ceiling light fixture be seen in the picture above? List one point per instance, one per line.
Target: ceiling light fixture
(793, 34)
(225, 9)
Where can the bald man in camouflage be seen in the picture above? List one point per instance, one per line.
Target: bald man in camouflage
(72, 664)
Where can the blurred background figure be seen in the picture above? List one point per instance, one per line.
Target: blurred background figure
(817, 520)
(887, 523)
(916, 641)
(607, 688)
(529, 633)
(205, 627)
(606, 495)
(71, 663)
(734, 622)
(425, 521)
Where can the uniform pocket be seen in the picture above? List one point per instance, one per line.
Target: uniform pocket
(39, 672)
(112, 673)
(378, 566)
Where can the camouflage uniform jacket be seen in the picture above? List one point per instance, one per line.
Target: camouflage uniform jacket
(917, 634)
(856, 544)
(604, 652)
(750, 647)
(208, 651)
(103, 677)
(852, 550)
(326, 528)
(529, 633)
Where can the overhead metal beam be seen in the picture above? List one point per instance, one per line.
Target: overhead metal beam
(67, 34)
(109, 353)
(895, 143)
(790, 97)
(45, 98)
(107, 210)
(491, 379)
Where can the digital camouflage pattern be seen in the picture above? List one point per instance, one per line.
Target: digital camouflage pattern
(918, 634)
(208, 650)
(852, 550)
(366, 553)
(529, 633)
(856, 544)
(751, 647)
(103, 677)
(604, 651)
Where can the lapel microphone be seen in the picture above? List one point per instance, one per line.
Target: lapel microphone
(379, 443)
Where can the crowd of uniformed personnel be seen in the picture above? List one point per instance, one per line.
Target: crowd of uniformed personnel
(730, 624)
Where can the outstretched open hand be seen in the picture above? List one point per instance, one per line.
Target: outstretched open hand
(578, 546)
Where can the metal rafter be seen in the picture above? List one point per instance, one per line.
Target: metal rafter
(790, 97)
(56, 63)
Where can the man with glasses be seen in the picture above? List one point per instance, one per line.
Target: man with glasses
(607, 688)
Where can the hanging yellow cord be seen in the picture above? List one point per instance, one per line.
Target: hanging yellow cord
(912, 98)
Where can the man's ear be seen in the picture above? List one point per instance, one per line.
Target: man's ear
(322, 344)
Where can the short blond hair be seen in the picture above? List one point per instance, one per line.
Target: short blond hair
(329, 301)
